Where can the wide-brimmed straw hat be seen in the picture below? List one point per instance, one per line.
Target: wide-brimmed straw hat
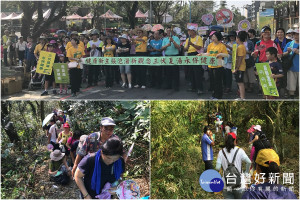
(56, 155)
(140, 29)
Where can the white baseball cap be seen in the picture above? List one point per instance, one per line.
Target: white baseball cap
(124, 36)
(290, 31)
(107, 121)
(192, 28)
(257, 127)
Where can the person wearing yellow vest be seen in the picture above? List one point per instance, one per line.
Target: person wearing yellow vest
(64, 136)
(5, 38)
(216, 49)
(74, 34)
(74, 53)
(192, 45)
(139, 72)
(42, 46)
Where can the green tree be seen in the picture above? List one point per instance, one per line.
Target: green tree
(39, 25)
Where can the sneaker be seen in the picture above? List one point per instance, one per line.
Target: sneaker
(136, 86)
(239, 99)
(191, 90)
(199, 92)
(143, 87)
(213, 98)
(123, 85)
(44, 93)
(129, 86)
(54, 92)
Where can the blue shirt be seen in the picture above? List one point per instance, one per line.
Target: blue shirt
(295, 67)
(171, 50)
(263, 194)
(157, 44)
(207, 151)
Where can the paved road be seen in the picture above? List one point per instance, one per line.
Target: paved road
(118, 93)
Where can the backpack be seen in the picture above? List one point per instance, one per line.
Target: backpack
(232, 172)
(61, 179)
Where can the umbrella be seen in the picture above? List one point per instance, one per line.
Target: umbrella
(216, 28)
(47, 119)
(57, 32)
(147, 27)
(177, 30)
(157, 27)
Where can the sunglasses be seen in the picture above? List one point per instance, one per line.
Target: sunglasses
(109, 128)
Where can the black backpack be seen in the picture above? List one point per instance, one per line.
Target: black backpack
(232, 172)
(62, 179)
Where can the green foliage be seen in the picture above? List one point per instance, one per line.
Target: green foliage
(176, 130)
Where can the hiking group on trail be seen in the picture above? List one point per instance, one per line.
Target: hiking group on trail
(97, 160)
(260, 179)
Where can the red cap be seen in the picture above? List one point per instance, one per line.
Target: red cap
(233, 135)
(66, 125)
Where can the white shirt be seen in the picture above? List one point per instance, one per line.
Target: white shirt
(21, 46)
(96, 53)
(241, 156)
(52, 131)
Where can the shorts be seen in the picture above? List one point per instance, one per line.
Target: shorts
(239, 76)
(50, 78)
(125, 69)
(292, 80)
(249, 76)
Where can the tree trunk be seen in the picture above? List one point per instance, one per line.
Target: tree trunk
(42, 109)
(39, 26)
(7, 125)
(131, 14)
(12, 134)
(27, 21)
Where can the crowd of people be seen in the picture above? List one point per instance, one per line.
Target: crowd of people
(259, 179)
(282, 54)
(95, 161)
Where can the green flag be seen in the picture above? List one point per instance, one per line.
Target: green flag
(61, 73)
(267, 82)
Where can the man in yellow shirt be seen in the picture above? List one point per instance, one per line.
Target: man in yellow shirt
(195, 73)
(42, 46)
(240, 63)
(74, 34)
(4, 41)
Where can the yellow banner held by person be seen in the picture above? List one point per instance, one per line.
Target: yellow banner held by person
(234, 48)
(45, 63)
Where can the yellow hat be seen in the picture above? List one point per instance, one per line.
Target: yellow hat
(266, 156)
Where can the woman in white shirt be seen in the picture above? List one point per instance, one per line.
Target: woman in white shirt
(20, 47)
(230, 150)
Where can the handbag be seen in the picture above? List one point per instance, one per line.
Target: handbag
(72, 65)
(287, 63)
